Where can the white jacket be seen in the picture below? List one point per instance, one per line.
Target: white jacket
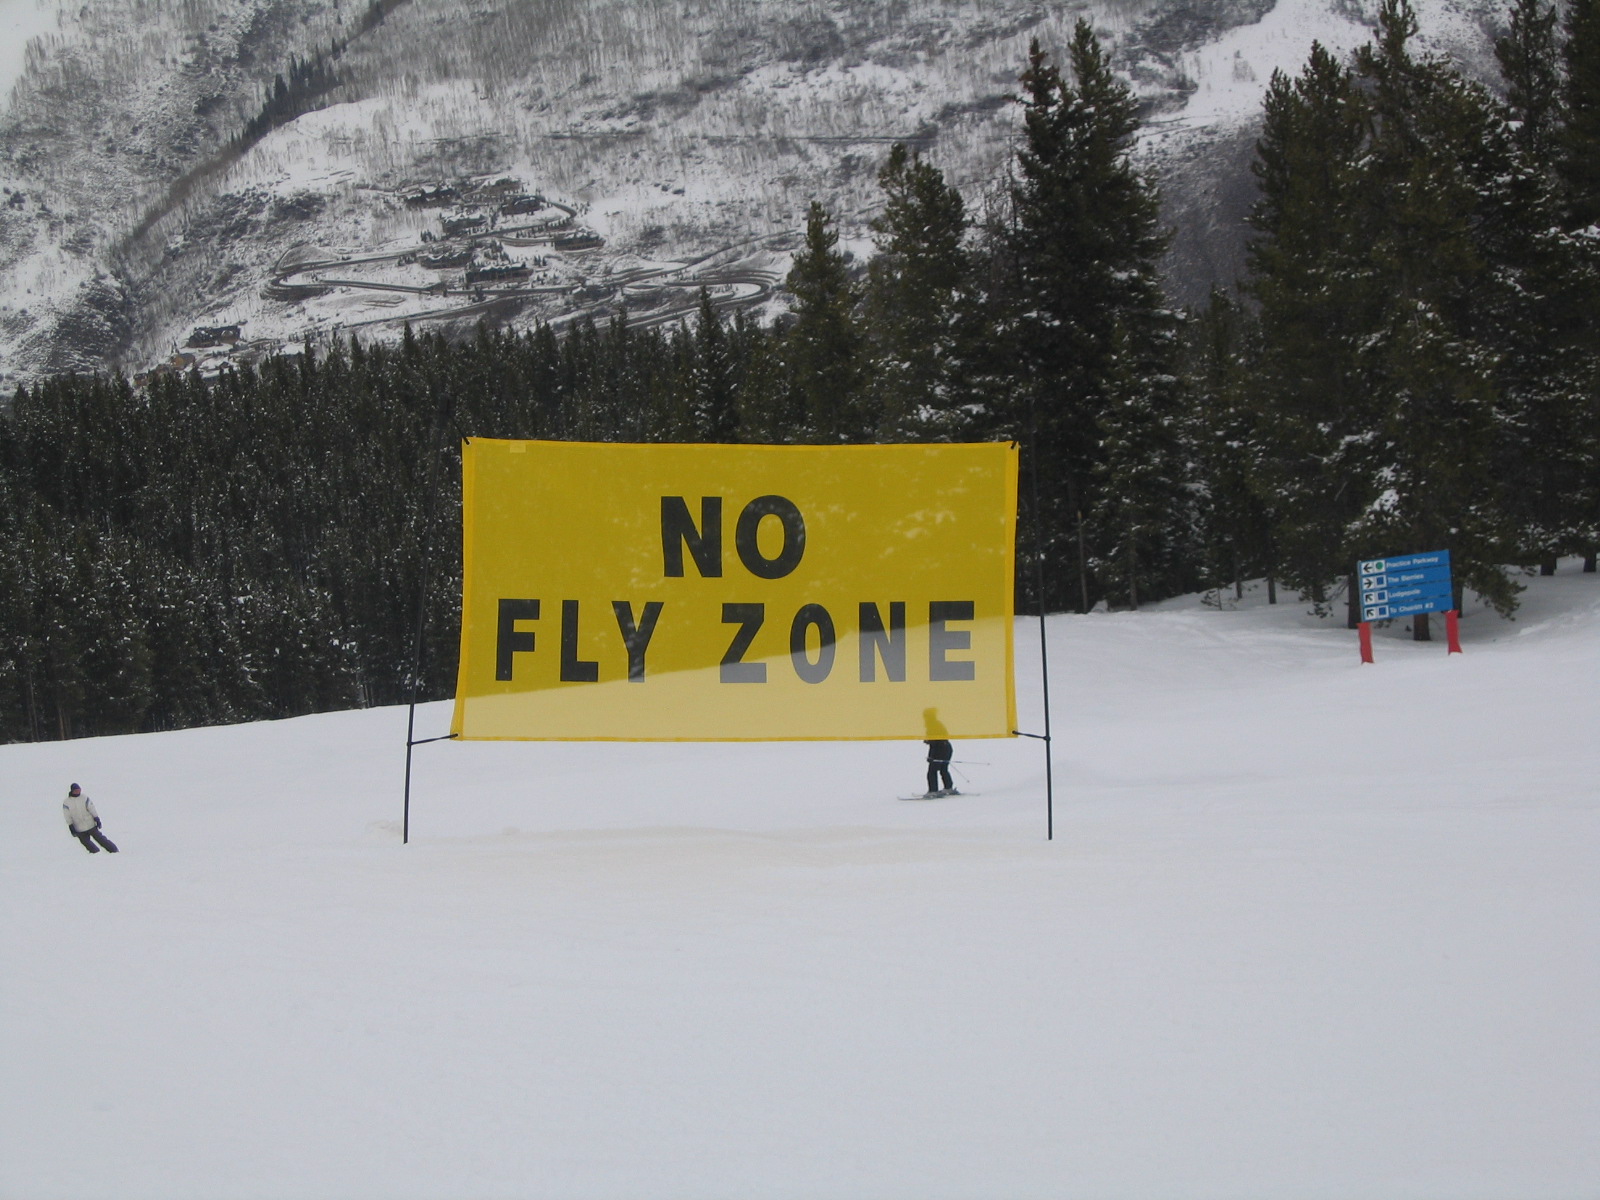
(80, 813)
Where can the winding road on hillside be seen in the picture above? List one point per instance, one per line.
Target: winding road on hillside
(651, 295)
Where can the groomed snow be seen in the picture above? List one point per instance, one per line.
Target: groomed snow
(1307, 929)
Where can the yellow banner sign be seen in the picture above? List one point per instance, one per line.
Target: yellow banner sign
(736, 593)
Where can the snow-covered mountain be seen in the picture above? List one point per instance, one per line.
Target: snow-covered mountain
(459, 160)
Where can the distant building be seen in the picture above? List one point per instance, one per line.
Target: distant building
(213, 335)
(528, 203)
(492, 274)
(444, 261)
(431, 196)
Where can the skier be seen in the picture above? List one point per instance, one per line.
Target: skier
(940, 752)
(84, 823)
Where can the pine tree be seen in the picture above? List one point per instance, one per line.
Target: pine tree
(1579, 161)
(1531, 70)
(1315, 302)
(712, 384)
(1546, 326)
(1143, 512)
(64, 632)
(1433, 178)
(824, 347)
(1234, 528)
(1378, 372)
(1580, 138)
(102, 611)
(770, 410)
(543, 351)
(1085, 323)
(18, 711)
(917, 298)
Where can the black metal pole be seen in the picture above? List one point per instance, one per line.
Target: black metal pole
(426, 545)
(1044, 648)
(411, 707)
(405, 812)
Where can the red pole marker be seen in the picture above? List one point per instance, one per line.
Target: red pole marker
(1452, 631)
(1366, 641)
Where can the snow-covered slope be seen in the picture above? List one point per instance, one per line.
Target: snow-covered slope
(686, 138)
(21, 21)
(1307, 928)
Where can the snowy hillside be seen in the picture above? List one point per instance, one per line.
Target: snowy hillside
(1307, 928)
(682, 141)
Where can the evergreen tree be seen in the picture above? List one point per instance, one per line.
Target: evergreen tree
(1143, 513)
(1580, 139)
(917, 299)
(1434, 178)
(58, 566)
(1579, 161)
(770, 411)
(1222, 435)
(712, 383)
(1315, 303)
(1085, 323)
(1546, 324)
(20, 717)
(1378, 371)
(1530, 67)
(824, 347)
(101, 613)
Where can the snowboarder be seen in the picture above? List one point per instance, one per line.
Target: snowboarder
(940, 752)
(84, 823)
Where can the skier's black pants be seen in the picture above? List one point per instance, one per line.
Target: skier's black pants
(937, 771)
(98, 837)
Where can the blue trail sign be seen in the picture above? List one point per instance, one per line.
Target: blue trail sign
(1406, 562)
(1405, 577)
(1406, 586)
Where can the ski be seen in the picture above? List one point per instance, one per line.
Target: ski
(941, 795)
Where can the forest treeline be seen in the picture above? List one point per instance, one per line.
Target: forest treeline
(1412, 363)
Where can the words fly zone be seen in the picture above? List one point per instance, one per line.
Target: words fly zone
(740, 593)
